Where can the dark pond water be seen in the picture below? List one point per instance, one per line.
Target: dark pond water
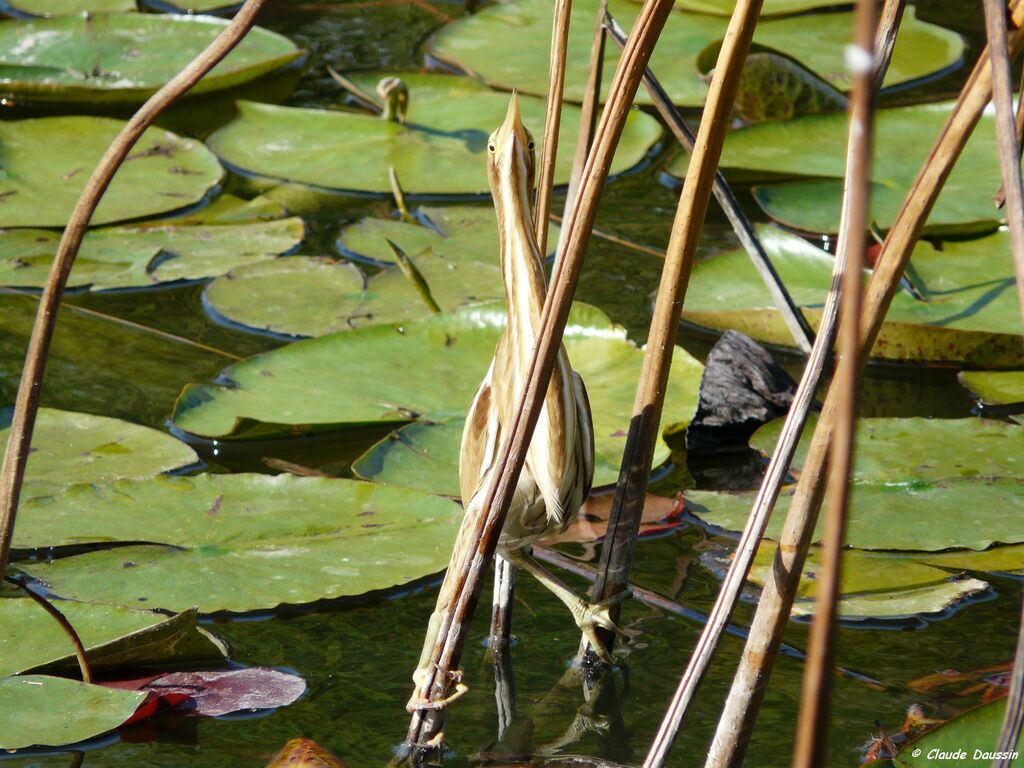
(357, 658)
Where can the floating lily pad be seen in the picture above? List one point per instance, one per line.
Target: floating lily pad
(918, 484)
(115, 58)
(506, 44)
(114, 637)
(874, 585)
(459, 233)
(998, 388)
(769, 8)
(975, 733)
(69, 448)
(54, 711)
(130, 257)
(44, 173)
(70, 7)
(305, 296)
(421, 370)
(970, 316)
(246, 542)
(813, 149)
(440, 150)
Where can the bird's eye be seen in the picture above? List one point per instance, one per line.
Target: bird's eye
(490, 147)
(530, 146)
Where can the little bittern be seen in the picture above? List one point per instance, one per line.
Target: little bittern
(560, 460)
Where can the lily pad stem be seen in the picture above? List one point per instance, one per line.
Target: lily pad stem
(62, 620)
(413, 274)
(30, 387)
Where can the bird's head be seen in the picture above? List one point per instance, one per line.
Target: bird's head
(395, 94)
(511, 158)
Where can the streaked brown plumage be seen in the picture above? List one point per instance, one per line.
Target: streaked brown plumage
(560, 460)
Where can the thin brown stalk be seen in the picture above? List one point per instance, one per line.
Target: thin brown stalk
(764, 502)
(92, 313)
(627, 507)
(1006, 134)
(812, 723)
(27, 402)
(802, 334)
(1013, 191)
(589, 111)
(76, 642)
(552, 120)
(999, 198)
(602, 235)
(749, 685)
(444, 657)
(885, 39)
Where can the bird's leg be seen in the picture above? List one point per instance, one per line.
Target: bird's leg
(588, 616)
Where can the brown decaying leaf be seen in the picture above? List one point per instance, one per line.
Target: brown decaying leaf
(304, 753)
(660, 514)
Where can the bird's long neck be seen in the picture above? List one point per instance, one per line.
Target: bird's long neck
(521, 264)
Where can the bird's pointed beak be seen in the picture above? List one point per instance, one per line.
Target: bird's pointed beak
(512, 132)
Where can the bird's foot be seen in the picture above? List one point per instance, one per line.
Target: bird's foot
(592, 616)
(419, 702)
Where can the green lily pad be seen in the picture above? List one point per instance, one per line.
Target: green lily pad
(130, 257)
(506, 44)
(246, 542)
(440, 149)
(114, 637)
(769, 8)
(997, 388)
(54, 711)
(115, 58)
(813, 149)
(975, 733)
(426, 455)
(876, 585)
(903, 451)
(459, 233)
(425, 369)
(71, 7)
(69, 448)
(43, 173)
(918, 484)
(970, 317)
(304, 296)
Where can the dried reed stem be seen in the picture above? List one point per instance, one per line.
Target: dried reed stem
(812, 723)
(627, 507)
(1013, 192)
(750, 683)
(482, 536)
(1006, 133)
(552, 120)
(885, 40)
(589, 110)
(31, 384)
